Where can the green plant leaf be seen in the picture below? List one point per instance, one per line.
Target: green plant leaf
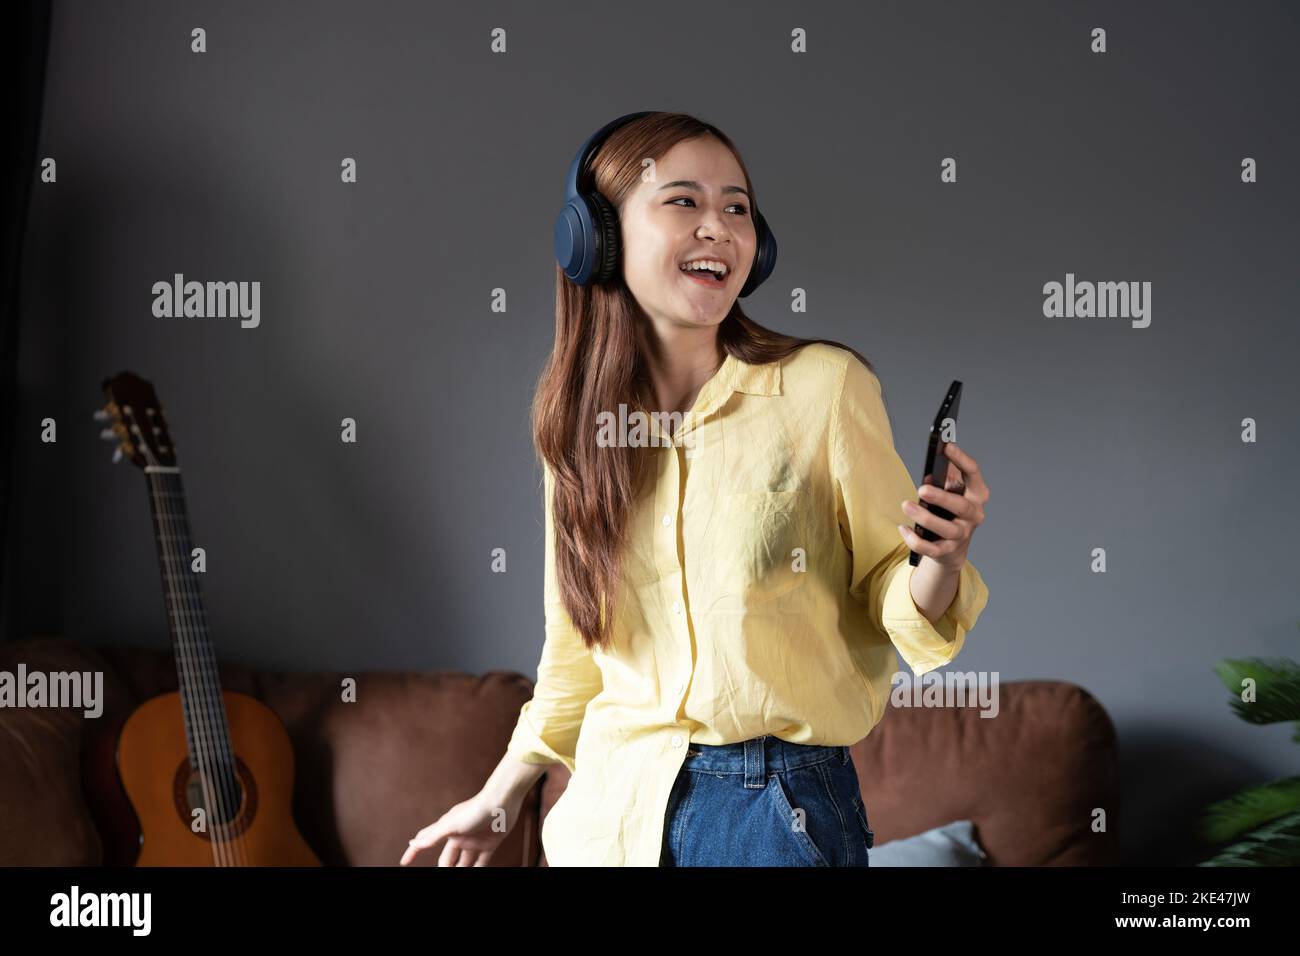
(1274, 844)
(1277, 688)
(1228, 819)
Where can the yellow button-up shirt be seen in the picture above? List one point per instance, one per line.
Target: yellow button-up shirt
(765, 591)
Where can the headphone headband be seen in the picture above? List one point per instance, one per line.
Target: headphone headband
(590, 146)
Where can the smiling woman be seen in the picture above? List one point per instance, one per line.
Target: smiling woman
(660, 238)
(722, 609)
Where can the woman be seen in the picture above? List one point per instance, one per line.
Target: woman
(750, 554)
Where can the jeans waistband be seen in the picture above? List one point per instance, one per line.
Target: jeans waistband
(758, 757)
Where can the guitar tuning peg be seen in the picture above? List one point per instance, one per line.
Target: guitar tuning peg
(101, 415)
(108, 434)
(117, 454)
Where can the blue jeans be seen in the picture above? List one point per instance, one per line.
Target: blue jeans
(766, 802)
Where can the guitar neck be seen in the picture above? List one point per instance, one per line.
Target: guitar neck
(196, 664)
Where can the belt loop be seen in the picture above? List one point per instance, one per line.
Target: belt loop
(755, 764)
(844, 755)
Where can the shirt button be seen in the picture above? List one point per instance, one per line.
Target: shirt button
(668, 519)
(677, 740)
(677, 607)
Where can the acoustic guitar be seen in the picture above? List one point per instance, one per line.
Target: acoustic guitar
(202, 776)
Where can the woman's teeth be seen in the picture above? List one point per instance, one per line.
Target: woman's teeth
(715, 273)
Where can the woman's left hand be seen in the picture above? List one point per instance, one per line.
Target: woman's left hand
(964, 494)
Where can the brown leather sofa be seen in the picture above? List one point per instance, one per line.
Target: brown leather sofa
(370, 773)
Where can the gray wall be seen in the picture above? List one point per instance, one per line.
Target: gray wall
(375, 305)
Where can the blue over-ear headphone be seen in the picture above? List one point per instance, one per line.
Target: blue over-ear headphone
(587, 232)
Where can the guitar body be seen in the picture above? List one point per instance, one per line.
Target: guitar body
(255, 827)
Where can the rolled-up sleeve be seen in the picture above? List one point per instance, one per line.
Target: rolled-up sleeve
(567, 674)
(870, 481)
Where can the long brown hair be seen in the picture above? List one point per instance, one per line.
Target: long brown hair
(596, 364)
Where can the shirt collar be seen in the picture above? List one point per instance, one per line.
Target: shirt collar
(734, 375)
(753, 379)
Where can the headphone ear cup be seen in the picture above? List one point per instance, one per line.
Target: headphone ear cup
(764, 258)
(605, 220)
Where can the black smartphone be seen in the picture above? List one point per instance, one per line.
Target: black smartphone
(936, 462)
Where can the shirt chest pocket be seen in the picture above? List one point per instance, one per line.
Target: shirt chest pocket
(760, 551)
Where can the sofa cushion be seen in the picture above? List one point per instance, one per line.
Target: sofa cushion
(1031, 777)
(950, 845)
(44, 819)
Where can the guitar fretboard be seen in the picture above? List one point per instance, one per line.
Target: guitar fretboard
(206, 729)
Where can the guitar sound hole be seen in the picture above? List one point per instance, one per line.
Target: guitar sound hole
(227, 796)
(233, 797)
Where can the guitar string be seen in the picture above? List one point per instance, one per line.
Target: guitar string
(186, 667)
(172, 543)
(178, 628)
(228, 776)
(227, 780)
(210, 701)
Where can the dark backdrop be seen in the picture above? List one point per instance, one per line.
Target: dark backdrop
(376, 305)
